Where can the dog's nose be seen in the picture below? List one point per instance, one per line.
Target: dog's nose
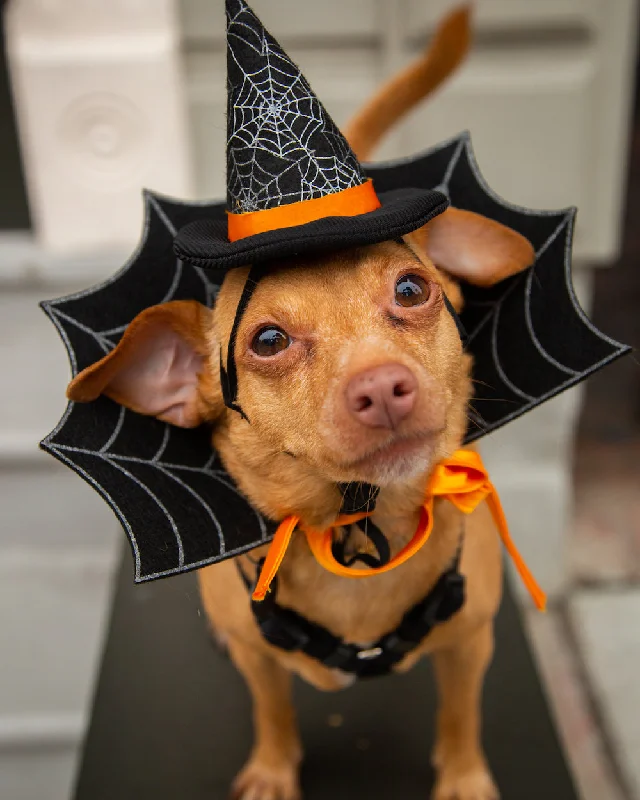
(383, 396)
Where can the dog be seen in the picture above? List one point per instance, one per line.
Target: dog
(373, 385)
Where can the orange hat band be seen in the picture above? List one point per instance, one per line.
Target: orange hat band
(347, 203)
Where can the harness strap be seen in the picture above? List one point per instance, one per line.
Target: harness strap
(286, 629)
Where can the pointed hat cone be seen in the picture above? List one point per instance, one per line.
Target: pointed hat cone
(283, 147)
(293, 183)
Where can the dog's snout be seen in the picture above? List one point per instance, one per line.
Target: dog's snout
(383, 396)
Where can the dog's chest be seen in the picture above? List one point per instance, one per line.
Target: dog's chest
(360, 610)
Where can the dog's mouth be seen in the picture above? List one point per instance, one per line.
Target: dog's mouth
(399, 458)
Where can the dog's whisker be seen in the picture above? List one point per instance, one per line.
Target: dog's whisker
(482, 383)
(344, 493)
(476, 423)
(496, 400)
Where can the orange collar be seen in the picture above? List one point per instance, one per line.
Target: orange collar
(461, 479)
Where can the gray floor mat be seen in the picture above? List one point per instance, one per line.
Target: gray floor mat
(171, 717)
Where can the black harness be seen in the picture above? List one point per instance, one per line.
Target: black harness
(285, 628)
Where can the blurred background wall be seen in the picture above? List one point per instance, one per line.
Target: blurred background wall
(99, 99)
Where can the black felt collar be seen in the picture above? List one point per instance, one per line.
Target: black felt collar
(180, 508)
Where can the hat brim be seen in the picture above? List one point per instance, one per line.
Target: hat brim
(204, 243)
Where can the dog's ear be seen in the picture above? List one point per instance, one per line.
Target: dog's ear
(159, 367)
(473, 248)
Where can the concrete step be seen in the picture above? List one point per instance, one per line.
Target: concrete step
(606, 626)
(43, 773)
(52, 614)
(53, 610)
(46, 507)
(35, 364)
(42, 504)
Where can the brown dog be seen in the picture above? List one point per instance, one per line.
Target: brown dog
(344, 379)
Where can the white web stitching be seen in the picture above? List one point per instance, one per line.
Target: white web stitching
(283, 147)
(65, 452)
(494, 307)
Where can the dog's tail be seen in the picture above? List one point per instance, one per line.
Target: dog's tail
(446, 50)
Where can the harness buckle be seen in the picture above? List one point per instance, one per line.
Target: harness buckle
(371, 652)
(341, 657)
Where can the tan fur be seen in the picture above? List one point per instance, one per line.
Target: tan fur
(339, 309)
(117, 374)
(473, 248)
(321, 299)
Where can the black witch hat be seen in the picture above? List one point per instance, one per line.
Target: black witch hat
(293, 183)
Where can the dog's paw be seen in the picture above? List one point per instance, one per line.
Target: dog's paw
(469, 784)
(259, 781)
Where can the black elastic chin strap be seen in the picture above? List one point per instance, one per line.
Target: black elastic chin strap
(356, 498)
(375, 536)
(229, 376)
(456, 319)
(447, 302)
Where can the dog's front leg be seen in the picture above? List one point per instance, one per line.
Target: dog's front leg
(462, 772)
(272, 770)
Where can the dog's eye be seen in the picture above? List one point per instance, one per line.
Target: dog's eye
(269, 341)
(411, 290)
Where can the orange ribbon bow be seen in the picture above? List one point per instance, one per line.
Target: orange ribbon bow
(461, 479)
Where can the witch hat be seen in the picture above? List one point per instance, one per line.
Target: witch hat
(293, 183)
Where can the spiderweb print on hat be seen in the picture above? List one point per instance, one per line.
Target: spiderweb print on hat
(282, 146)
